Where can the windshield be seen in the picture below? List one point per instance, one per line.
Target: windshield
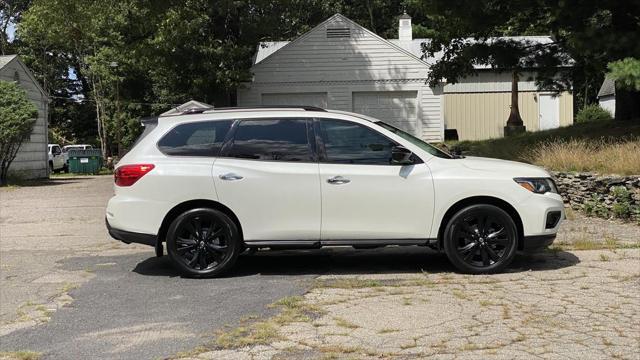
(415, 141)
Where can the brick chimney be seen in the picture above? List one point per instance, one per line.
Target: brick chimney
(405, 34)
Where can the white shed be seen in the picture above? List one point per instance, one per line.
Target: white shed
(341, 65)
(32, 159)
(607, 96)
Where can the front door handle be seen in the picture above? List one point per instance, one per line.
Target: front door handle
(230, 177)
(338, 180)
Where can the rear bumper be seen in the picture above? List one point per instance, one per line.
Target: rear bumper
(538, 242)
(129, 237)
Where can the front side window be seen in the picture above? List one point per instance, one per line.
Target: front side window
(204, 138)
(415, 141)
(347, 142)
(279, 140)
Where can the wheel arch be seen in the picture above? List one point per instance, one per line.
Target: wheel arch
(475, 200)
(194, 204)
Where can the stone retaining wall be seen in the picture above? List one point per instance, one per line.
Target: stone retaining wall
(585, 190)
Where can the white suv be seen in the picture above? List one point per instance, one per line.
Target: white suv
(214, 183)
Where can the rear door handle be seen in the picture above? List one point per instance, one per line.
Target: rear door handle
(230, 177)
(338, 180)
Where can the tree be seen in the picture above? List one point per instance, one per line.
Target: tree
(468, 34)
(587, 34)
(626, 74)
(17, 117)
(10, 12)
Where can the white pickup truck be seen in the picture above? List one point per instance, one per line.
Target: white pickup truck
(56, 159)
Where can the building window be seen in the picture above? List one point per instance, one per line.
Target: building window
(16, 77)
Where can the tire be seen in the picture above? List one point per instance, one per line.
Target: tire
(481, 239)
(65, 169)
(197, 251)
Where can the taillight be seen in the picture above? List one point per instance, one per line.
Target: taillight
(127, 175)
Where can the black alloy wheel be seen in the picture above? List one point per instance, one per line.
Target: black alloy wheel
(481, 239)
(203, 242)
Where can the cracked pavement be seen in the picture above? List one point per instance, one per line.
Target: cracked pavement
(562, 307)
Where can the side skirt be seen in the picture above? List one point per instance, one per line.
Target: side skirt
(316, 244)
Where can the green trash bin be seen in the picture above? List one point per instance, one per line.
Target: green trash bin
(85, 161)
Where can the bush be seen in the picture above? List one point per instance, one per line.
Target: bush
(17, 117)
(593, 112)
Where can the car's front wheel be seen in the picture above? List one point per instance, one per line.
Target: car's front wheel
(481, 239)
(203, 242)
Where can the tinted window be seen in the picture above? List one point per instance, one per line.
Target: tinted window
(195, 139)
(351, 143)
(282, 140)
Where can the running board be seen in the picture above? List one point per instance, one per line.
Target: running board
(314, 244)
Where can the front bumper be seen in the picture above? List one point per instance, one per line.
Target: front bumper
(532, 244)
(129, 237)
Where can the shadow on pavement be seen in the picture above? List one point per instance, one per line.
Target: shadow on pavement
(342, 261)
(49, 182)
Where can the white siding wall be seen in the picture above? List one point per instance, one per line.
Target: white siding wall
(32, 160)
(339, 67)
(340, 97)
(608, 103)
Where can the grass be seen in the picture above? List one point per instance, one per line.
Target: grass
(600, 156)
(293, 309)
(344, 323)
(20, 355)
(259, 333)
(347, 284)
(580, 147)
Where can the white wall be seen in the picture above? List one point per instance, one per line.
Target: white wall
(32, 160)
(608, 103)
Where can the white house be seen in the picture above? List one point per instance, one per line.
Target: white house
(31, 162)
(341, 65)
(607, 96)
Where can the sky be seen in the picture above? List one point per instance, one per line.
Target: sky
(11, 30)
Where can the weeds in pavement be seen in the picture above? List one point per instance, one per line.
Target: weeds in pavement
(344, 323)
(20, 355)
(347, 284)
(259, 333)
(293, 309)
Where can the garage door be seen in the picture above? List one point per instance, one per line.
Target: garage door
(398, 108)
(310, 99)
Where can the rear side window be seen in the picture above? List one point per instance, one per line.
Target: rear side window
(347, 142)
(279, 140)
(204, 138)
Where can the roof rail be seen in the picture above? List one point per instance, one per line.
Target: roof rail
(202, 110)
(275, 107)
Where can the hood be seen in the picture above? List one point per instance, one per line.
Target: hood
(509, 168)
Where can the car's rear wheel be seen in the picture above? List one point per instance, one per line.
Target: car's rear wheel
(203, 242)
(481, 239)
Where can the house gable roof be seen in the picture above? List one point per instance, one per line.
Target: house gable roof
(8, 59)
(608, 88)
(267, 49)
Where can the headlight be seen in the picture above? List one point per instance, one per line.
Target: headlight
(537, 185)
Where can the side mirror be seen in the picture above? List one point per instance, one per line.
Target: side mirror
(400, 155)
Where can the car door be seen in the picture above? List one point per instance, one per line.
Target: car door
(365, 196)
(58, 158)
(268, 176)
